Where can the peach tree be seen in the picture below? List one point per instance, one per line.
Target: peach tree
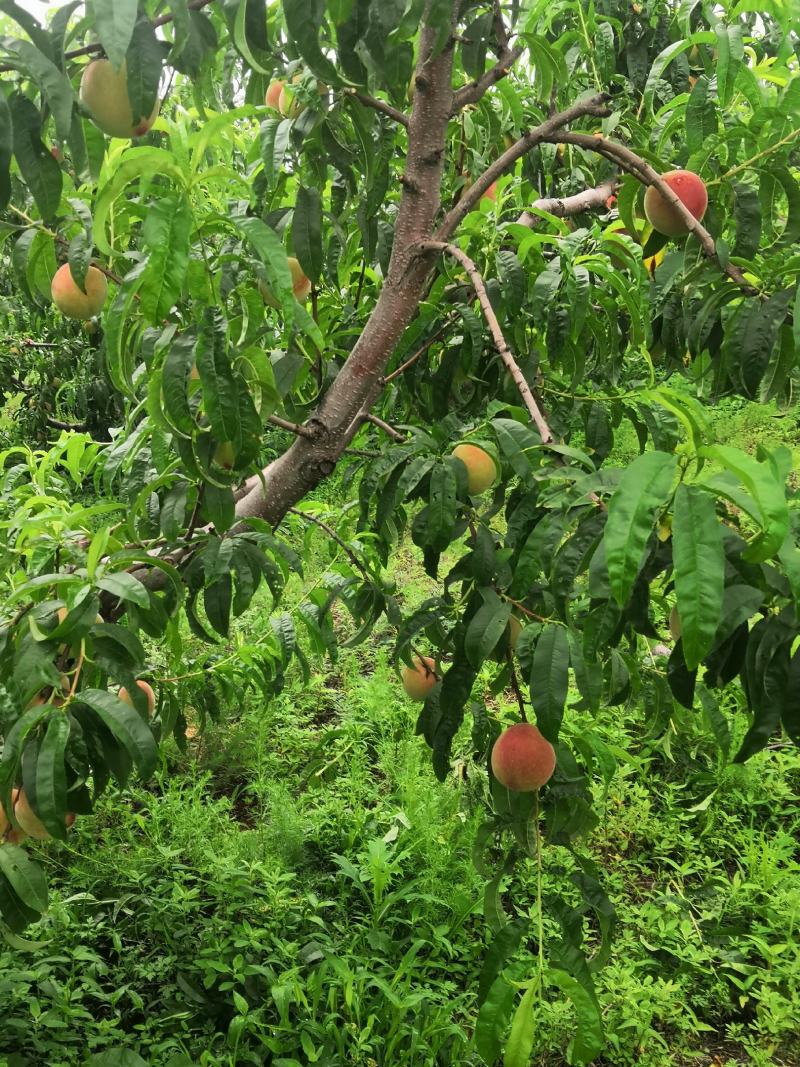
(406, 242)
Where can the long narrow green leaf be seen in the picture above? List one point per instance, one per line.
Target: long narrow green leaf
(643, 489)
(114, 21)
(303, 21)
(768, 494)
(588, 1042)
(307, 231)
(24, 876)
(493, 1018)
(486, 627)
(550, 679)
(166, 236)
(699, 565)
(51, 776)
(127, 726)
(520, 1041)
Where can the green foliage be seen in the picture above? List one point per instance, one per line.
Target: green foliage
(331, 880)
(215, 400)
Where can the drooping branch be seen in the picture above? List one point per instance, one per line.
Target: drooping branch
(334, 537)
(379, 105)
(565, 207)
(639, 168)
(497, 334)
(593, 105)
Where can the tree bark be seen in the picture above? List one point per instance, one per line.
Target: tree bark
(309, 460)
(566, 206)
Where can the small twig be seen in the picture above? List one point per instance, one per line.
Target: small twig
(565, 207)
(196, 512)
(77, 671)
(515, 686)
(526, 611)
(594, 105)
(497, 334)
(292, 427)
(27, 342)
(63, 242)
(360, 286)
(754, 159)
(111, 275)
(589, 46)
(640, 169)
(500, 31)
(335, 537)
(387, 429)
(379, 105)
(362, 453)
(20, 615)
(471, 94)
(418, 354)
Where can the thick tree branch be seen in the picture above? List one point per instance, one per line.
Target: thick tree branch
(497, 334)
(639, 168)
(564, 207)
(593, 105)
(379, 105)
(304, 465)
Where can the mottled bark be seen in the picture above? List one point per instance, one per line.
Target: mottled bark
(304, 465)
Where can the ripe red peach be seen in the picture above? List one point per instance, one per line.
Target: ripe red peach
(664, 216)
(523, 760)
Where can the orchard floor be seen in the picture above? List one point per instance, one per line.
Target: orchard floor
(297, 889)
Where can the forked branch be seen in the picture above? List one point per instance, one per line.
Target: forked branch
(593, 105)
(497, 334)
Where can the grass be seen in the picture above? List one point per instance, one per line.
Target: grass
(297, 889)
